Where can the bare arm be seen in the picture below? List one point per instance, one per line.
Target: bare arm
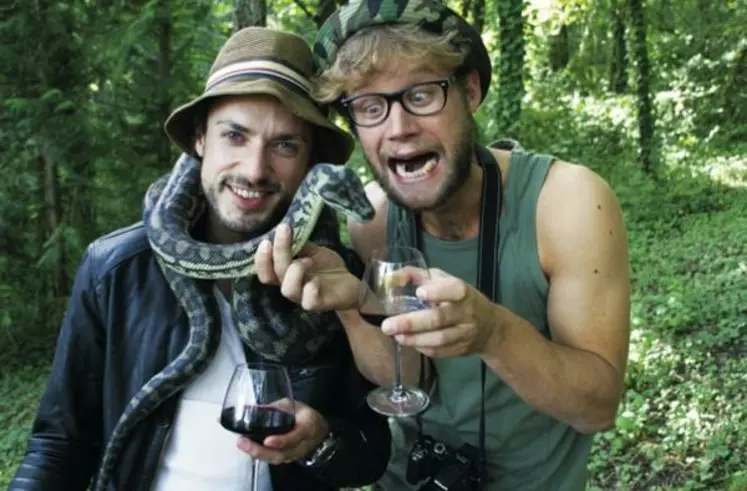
(578, 376)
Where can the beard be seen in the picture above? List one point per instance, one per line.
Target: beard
(244, 227)
(458, 166)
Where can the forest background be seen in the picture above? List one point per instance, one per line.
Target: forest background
(650, 94)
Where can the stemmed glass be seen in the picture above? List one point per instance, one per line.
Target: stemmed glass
(388, 288)
(258, 403)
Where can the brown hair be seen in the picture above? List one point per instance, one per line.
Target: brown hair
(371, 50)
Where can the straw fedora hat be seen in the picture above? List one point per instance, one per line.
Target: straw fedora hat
(259, 60)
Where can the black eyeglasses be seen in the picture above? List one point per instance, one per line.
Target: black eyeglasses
(422, 99)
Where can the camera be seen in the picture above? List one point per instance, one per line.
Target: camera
(444, 468)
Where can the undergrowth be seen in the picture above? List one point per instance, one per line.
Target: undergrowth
(683, 421)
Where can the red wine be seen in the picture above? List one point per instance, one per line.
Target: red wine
(397, 305)
(375, 319)
(257, 422)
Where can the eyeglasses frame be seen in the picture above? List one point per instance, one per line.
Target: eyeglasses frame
(391, 97)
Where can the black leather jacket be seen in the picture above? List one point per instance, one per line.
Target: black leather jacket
(123, 325)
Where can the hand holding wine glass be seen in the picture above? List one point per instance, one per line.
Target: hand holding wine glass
(388, 289)
(258, 403)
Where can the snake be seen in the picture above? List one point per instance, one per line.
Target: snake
(273, 327)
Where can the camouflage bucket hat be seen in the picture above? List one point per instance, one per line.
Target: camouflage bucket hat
(429, 15)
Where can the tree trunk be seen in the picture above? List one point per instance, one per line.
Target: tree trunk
(466, 8)
(53, 142)
(511, 68)
(735, 96)
(80, 193)
(619, 65)
(46, 296)
(478, 15)
(53, 213)
(645, 111)
(559, 52)
(164, 28)
(249, 13)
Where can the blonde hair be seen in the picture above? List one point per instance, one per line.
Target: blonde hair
(374, 48)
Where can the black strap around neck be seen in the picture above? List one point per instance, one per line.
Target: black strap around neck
(487, 266)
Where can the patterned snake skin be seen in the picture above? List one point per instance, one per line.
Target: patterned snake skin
(272, 326)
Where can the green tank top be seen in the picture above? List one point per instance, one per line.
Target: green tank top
(526, 450)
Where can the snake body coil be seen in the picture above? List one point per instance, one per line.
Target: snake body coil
(273, 327)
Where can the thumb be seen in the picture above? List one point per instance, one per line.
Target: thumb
(322, 258)
(437, 273)
(310, 249)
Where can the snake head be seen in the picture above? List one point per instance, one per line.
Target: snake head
(341, 188)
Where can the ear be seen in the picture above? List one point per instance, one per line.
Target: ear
(472, 90)
(200, 144)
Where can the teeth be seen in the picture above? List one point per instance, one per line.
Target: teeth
(400, 168)
(246, 194)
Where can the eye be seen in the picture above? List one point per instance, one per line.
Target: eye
(288, 148)
(233, 136)
(422, 95)
(368, 107)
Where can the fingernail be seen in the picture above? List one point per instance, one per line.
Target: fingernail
(387, 326)
(420, 293)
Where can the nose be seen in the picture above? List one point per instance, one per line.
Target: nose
(401, 124)
(253, 163)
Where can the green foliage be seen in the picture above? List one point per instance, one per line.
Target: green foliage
(683, 422)
(684, 418)
(91, 92)
(21, 383)
(510, 64)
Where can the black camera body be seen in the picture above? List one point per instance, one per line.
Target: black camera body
(444, 468)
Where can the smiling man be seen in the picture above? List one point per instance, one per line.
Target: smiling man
(247, 199)
(526, 337)
(133, 321)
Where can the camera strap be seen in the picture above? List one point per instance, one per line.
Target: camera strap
(487, 265)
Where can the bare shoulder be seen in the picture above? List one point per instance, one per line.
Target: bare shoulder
(566, 180)
(366, 237)
(577, 214)
(503, 158)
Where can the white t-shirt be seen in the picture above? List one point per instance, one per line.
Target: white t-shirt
(200, 454)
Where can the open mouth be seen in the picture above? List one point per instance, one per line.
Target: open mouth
(415, 167)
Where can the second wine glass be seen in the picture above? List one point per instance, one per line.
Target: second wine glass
(388, 288)
(258, 403)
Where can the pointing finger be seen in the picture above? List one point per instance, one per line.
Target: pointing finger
(414, 322)
(440, 338)
(263, 264)
(443, 289)
(281, 249)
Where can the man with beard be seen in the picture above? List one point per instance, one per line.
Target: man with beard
(525, 342)
(249, 140)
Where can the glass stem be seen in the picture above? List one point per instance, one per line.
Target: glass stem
(255, 475)
(398, 391)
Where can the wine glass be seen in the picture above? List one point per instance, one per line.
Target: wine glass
(258, 403)
(388, 288)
